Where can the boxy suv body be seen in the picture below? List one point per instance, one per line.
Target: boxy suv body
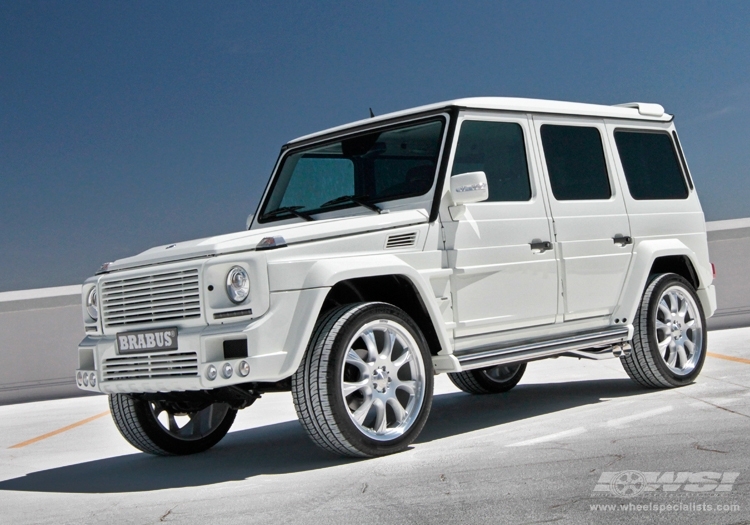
(468, 237)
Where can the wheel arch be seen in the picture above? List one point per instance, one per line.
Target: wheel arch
(652, 258)
(679, 264)
(395, 289)
(358, 279)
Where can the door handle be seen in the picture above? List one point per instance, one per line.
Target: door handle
(542, 246)
(622, 240)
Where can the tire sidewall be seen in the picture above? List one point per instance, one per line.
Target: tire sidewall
(660, 286)
(498, 387)
(174, 446)
(339, 408)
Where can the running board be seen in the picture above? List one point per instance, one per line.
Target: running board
(485, 356)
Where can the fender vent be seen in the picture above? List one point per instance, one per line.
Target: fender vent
(402, 240)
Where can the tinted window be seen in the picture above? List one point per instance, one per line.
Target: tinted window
(497, 149)
(651, 165)
(319, 180)
(378, 165)
(575, 162)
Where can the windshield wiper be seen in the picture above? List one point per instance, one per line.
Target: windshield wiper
(288, 209)
(356, 199)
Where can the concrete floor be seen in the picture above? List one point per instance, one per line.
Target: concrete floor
(532, 455)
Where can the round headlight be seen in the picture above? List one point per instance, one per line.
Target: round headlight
(92, 304)
(238, 284)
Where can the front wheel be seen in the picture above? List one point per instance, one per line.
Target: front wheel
(166, 429)
(364, 387)
(669, 341)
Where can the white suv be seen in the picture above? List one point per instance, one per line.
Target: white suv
(468, 237)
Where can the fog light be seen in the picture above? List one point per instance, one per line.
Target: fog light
(85, 380)
(92, 379)
(226, 371)
(79, 378)
(243, 368)
(211, 372)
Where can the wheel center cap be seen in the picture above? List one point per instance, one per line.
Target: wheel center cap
(381, 380)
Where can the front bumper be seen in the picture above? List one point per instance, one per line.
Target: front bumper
(274, 347)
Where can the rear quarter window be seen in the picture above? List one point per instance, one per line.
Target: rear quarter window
(651, 166)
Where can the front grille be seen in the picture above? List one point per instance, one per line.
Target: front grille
(152, 366)
(155, 298)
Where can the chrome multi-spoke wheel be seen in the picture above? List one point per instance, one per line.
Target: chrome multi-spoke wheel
(382, 379)
(491, 380)
(679, 330)
(364, 387)
(669, 338)
(165, 428)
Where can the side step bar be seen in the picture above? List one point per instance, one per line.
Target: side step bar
(485, 356)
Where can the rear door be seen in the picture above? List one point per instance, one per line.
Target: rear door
(590, 222)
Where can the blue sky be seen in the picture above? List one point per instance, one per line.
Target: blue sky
(132, 124)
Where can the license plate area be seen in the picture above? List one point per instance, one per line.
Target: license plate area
(143, 341)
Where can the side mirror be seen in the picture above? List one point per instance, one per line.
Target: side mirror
(249, 221)
(469, 187)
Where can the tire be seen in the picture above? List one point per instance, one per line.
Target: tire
(669, 341)
(154, 427)
(490, 380)
(364, 387)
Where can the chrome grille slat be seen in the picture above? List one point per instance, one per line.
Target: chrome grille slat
(155, 305)
(146, 290)
(173, 364)
(167, 296)
(161, 293)
(135, 281)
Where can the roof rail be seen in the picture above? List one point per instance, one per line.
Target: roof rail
(644, 108)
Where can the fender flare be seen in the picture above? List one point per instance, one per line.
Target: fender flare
(644, 255)
(323, 274)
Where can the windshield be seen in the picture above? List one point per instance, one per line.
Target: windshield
(379, 165)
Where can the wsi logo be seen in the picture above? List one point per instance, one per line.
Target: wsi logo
(630, 483)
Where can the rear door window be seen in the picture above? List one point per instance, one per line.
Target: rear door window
(575, 162)
(651, 165)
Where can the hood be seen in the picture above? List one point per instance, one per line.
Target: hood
(292, 233)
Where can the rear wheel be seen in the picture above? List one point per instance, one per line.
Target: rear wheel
(490, 380)
(166, 429)
(364, 387)
(669, 341)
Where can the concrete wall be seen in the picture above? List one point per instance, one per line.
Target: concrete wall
(39, 334)
(729, 247)
(40, 329)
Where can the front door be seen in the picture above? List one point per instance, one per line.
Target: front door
(504, 276)
(590, 221)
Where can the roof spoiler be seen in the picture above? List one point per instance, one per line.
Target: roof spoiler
(645, 109)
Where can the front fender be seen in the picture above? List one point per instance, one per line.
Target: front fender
(325, 273)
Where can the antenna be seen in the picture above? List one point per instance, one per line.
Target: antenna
(372, 115)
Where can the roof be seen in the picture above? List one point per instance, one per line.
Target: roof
(632, 110)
